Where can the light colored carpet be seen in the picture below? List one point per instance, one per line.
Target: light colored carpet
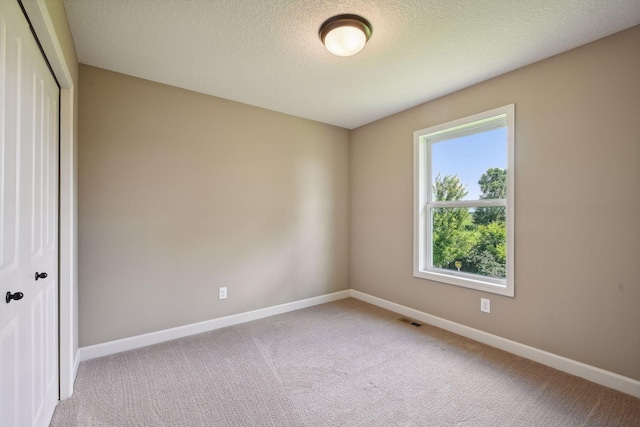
(345, 363)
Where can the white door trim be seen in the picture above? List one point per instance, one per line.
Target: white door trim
(42, 23)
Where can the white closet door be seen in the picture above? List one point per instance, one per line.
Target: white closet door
(29, 105)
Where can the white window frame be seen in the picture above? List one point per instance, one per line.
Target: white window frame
(422, 141)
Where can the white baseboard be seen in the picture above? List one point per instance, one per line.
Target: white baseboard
(579, 369)
(117, 346)
(588, 372)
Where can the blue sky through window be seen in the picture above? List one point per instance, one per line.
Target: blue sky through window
(469, 157)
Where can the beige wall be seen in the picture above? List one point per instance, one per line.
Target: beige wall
(577, 289)
(180, 193)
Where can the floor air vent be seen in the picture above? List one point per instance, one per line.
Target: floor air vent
(410, 322)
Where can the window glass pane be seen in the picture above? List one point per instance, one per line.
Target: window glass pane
(471, 240)
(463, 211)
(470, 167)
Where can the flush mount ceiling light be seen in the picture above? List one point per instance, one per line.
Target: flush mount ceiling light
(345, 35)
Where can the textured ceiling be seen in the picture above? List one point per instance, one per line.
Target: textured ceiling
(267, 52)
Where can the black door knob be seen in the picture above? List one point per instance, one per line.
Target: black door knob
(17, 296)
(41, 275)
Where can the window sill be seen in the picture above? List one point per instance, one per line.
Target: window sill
(470, 281)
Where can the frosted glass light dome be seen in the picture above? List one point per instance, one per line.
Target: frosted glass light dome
(345, 41)
(345, 35)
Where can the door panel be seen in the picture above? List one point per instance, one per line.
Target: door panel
(11, 49)
(9, 345)
(36, 358)
(37, 141)
(29, 108)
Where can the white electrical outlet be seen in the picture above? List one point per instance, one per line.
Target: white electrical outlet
(485, 305)
(222, 293)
